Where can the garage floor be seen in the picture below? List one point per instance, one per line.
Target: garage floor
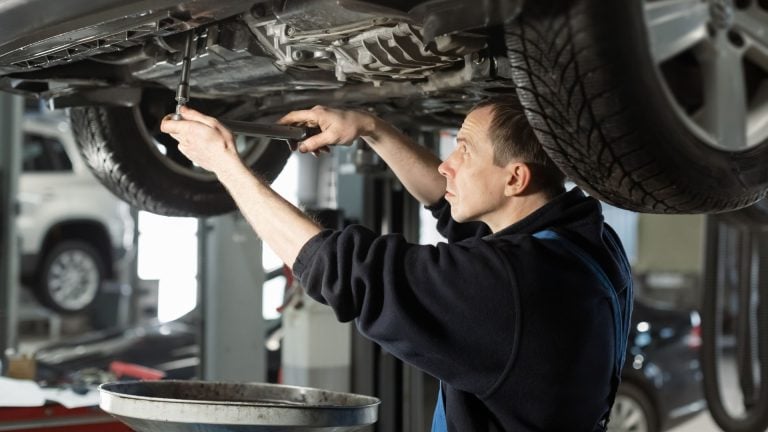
(704, 422)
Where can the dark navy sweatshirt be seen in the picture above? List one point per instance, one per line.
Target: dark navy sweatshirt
(518, 330)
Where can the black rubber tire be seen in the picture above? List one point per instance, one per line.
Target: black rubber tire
(584, 72)
(43, 292)
(754, 215)
(716, 300)
(631, 391)
(117, 147)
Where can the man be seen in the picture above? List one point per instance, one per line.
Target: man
(523, 317)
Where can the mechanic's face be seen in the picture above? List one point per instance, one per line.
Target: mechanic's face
(475, 186)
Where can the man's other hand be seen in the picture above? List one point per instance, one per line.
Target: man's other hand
(338, 127)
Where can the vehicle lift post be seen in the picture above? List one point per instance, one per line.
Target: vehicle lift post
(11, 109)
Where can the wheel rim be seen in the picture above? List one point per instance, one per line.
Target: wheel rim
(73, 279)
(627, 415)
(712, 59)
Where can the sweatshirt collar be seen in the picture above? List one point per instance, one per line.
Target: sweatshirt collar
(569, 206)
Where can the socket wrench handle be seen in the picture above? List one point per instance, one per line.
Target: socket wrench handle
(288, 133)
(182, 91)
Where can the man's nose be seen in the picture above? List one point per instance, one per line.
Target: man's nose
(444, 168)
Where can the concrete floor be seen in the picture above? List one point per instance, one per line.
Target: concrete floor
(701, 423)
(729, 384)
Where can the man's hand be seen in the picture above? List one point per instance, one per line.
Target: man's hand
(203, 140)
(414, 165)
(276, 221)
(338, 127)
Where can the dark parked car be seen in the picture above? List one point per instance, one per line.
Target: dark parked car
(662, 380)
(656, 106)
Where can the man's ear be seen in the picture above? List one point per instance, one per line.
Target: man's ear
(518, 179)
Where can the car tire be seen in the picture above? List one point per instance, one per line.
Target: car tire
(143, 167)
(626, 126)
(70, 277)
(632, 411)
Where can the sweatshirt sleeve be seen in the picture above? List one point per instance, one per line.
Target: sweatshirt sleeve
(448, 309)
(452, 230)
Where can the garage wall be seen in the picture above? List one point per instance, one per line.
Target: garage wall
(670, 243)
(670, 259)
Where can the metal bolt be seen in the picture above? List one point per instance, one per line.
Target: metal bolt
(478, 58)
(290, 31)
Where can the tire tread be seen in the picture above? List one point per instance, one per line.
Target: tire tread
(575, 105)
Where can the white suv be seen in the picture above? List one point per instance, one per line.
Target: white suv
(73, 230)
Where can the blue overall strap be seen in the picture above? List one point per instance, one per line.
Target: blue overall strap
(628, 293)
(621, 318)
(439, 424)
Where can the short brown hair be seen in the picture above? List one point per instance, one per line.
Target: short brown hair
(513, 138)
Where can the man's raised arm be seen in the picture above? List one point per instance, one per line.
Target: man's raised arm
(414, 165)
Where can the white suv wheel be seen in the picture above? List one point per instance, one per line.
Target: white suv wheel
(71, 276)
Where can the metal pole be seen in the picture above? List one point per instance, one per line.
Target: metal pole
(11, 108)
(231, 279)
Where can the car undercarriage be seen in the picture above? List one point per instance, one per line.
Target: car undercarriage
(631, 101)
